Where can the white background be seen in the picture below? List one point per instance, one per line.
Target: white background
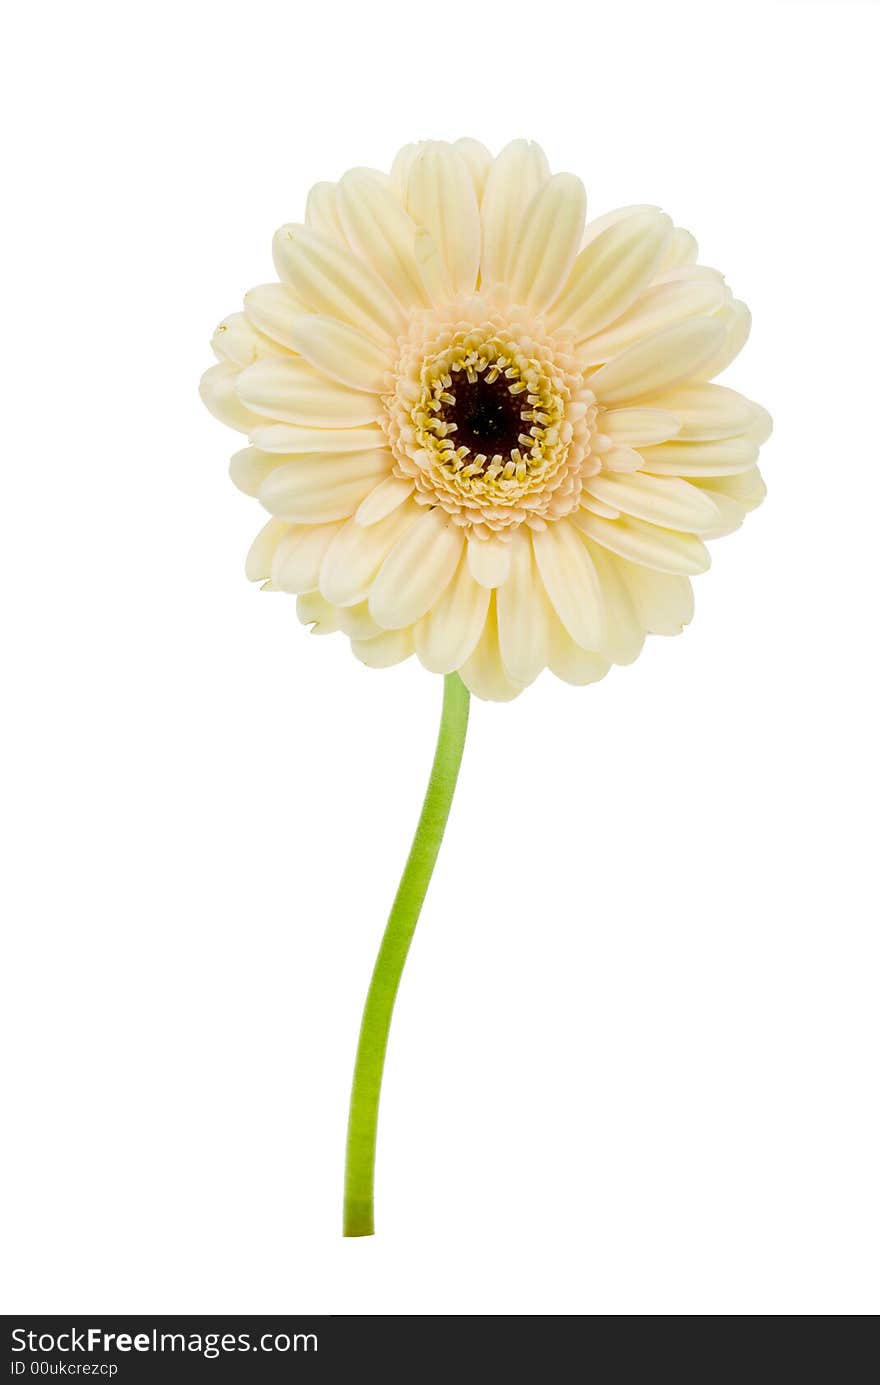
(633, 1066)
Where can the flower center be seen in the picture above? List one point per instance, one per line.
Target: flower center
(490, 418)
(485, 417)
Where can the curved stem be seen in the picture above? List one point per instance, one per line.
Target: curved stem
(367, 1082)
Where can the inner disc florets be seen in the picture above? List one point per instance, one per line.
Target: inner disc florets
(491, 421)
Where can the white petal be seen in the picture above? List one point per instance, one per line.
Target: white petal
(289, 437)
(478, 160)
(610, 271)
(341, 352)
(571, 581)
(624, 629)
(570, 662)
(322, 212)
(312, 609)
(389, 493)
(385, 650)
(663, 500)
(298, 556)
(316, 490)
(272, 309)
(639, 427)
(447, 634)
(548, 240)
(236, 340)
(666, 550)
(258, 563)
(514, 178)
(657, 362)
(661, 305)
(329, 279)
(292, 391)
(249, 468)
(489, 561)
(523, 613)
(484, 673)
(380, 231)
(440, 197)
(417, 571)
(356, 554)
(217, 388)
(665, 602)
(724, 457)
(707, 411)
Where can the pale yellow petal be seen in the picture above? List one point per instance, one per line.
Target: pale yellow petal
(523, 613)
(440, 196)
(237, 340)
(663, 500)
(329, 279)
(570, 662)
(380, 231)
(316, 490)
(249, 468)
(657, 362)
(258, 563)
(390, 492)
(342, 352)
(312, 609)
(681, 250)
(484, 673)
(322, 212)
(292, 391)
(515, 176)
(489, 561)
(417, 570)
(357, 623)
(639, 427)
(666, 550)
(624, 630)
(571, 581)
(706, 411)
(664, 601)
(273, 308)
(737, 322)
(298, 556)
(385, 650)
(357, 553)
(478, 160)
(610, 272)
(219, 395)
(723, 457)
(447, 634)
(548, 241)
(661, 305)
(289, 437)
(734, 496)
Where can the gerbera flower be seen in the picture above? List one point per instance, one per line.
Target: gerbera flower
(485, 433)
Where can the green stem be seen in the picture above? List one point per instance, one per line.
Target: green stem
(367, 1083)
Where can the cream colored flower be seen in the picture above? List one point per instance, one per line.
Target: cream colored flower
(485, 434)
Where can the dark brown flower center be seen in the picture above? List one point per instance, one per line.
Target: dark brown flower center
(486, 415)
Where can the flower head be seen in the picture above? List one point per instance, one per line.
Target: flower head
(485, 433)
